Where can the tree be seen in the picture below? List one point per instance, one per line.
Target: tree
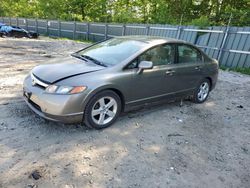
(199, 12)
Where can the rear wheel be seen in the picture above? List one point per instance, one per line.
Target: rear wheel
(102, 110)
(202, 91)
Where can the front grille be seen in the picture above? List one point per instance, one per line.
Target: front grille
(38, 82)
(36, 106)
(42, 87)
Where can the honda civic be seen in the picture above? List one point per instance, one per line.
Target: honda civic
(97, 83)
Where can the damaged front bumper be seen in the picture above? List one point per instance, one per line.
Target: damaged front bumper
(54, 107)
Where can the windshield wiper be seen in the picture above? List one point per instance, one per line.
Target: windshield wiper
(93, 60)
(80, 57)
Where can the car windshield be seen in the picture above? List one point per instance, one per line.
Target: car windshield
(113, 51)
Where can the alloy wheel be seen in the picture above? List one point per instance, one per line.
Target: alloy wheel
(104, 110)
(203, 91)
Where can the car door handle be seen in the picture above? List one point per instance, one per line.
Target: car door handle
(170, 72)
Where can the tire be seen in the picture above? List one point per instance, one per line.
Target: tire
(102, 110)
(4, 35)
(202, 91)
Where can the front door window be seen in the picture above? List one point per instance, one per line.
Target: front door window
(160, 55)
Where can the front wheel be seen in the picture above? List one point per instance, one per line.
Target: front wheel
(102, 110)
(4, 35)
(202, 91)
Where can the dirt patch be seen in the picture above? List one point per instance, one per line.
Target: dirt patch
(195, 145)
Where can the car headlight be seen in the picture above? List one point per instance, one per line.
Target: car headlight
(65, 89)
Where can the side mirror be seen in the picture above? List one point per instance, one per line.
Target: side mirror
(145, 65)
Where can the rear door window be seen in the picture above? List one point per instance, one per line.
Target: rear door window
(188, 54)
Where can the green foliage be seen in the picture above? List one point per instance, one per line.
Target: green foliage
(241, 70)
(194, 12)
(78, 40)
(203, 21)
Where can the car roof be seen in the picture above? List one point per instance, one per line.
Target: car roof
(150, 39)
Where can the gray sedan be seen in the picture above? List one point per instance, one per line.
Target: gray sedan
(97, 83)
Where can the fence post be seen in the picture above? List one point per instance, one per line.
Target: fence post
(59, 28)
(47, 27)
(26, 23)
(106, 31)
(123, 29)
(147, 29)
(88, 25)
(224, 39)
(223, 44)
(178, 35)
(36, 26)
(74, 30)
(17, 22)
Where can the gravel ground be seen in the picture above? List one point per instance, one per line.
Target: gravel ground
(195, 145)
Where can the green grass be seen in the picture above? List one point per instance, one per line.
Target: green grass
(77, 40)
(240, 70)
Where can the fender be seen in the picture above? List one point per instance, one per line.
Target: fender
(99, 89)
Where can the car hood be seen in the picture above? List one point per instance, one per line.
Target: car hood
(68, 67)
